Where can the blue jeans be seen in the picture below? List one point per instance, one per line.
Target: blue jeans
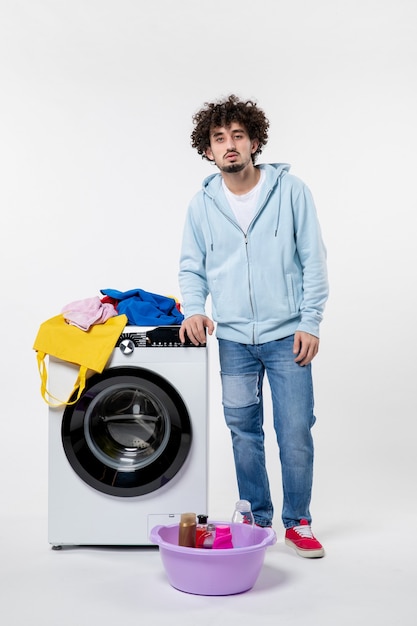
(242, 372)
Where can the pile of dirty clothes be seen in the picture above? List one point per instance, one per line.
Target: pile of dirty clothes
(142, 308)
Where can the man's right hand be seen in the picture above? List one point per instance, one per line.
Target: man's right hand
(195, 327)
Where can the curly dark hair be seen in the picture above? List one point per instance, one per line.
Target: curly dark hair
(223, 113)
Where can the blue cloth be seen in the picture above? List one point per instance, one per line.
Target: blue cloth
(143, 308)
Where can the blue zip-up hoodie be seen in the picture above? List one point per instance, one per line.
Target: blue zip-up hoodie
(264, 284)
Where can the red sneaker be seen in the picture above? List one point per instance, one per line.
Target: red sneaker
(303, 541)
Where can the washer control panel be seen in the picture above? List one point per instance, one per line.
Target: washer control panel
(159, 337)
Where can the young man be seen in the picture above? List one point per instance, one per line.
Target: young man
(252, 241)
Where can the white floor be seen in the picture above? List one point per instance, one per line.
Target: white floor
(367, 577)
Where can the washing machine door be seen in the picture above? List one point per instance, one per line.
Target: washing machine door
(128, 434)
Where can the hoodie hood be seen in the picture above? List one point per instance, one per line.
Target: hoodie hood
(213, 191)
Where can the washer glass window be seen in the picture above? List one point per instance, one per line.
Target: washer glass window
(128, 434)
(126, 427)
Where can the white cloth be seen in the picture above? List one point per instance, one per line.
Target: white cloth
(244, 207)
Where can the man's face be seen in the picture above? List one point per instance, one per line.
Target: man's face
(231, 148)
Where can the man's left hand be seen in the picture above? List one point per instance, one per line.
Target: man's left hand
(305, 347)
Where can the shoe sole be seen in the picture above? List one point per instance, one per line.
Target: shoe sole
(307, 554)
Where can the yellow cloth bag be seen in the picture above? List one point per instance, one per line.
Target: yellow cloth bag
(89, 349)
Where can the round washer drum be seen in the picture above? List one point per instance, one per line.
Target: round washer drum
(128, 434)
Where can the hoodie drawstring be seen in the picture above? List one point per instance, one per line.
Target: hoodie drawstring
(279, 206)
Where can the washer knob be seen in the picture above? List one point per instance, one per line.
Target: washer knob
(127, 346)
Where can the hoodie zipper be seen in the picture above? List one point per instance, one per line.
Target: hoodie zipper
(246, 240)
(247, 260)
(250, 287)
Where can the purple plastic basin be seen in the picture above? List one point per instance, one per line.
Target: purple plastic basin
(209, 572)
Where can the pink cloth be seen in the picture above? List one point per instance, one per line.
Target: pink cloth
(85, 313)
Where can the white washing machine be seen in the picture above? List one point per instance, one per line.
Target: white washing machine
(131, 453)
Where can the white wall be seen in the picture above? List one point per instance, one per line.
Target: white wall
(97, 171)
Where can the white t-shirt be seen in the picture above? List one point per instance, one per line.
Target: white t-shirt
(244, 207)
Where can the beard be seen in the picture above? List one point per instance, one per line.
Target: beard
(233, 168)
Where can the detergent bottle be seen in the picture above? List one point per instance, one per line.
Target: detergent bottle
(223, 537)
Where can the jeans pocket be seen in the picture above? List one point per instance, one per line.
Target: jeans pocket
(240, 390)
